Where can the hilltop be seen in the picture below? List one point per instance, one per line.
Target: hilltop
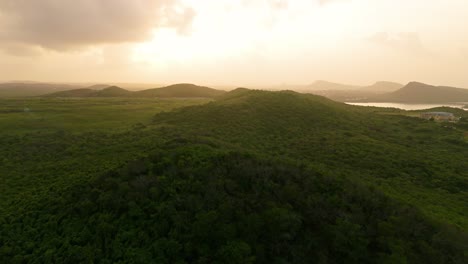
(112, 91)
(180, 90)
(415, 92)
(98, 86)
(172, 91)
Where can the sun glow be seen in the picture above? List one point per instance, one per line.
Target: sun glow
(248, 30)
(255, 41)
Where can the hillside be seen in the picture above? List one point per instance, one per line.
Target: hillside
(172, 91)
(336, 135)
(415, 92)
(253, 176)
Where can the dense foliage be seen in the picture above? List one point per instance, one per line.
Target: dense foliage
(411, 159)
(198, 204)
(253, 177)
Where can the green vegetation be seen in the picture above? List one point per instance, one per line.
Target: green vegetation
(28, 115)
(180, 90)
(253, 177)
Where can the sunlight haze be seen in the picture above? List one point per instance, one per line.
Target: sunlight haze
(238, 43)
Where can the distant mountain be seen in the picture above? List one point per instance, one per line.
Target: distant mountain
(172, 91)
(416, 92)
(20, 89)
(180, 90)
(325, 85)
(346, 93)
(382, 87)
(376, 87)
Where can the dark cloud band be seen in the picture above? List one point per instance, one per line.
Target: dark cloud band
(71, 24)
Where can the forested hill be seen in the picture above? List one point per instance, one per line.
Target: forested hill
(172, 91)
(416, 92)
(252, 177)
(180, 90)
(387, 149)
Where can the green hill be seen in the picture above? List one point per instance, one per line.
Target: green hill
(379, 148)
(180, 90)
(172, 91)
(112, 91)
(252, 177)
(416, 92)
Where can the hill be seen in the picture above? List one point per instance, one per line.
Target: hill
(18, 89)
(348, 93)
(377, 87)
(416, 92)
(336, 135)
(325, 85)
(172, 91)
(180, 90)
(98, 86)
(380, 87)
(253, 176)
(112, 91)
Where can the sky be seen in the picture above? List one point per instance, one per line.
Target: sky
(235, 43)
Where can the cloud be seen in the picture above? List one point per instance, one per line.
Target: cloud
(73, 24)
(403, 41)
(324, 2)
(18, 49)
(278, 4)
(179, 18)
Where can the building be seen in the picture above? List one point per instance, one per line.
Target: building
(439, 116)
